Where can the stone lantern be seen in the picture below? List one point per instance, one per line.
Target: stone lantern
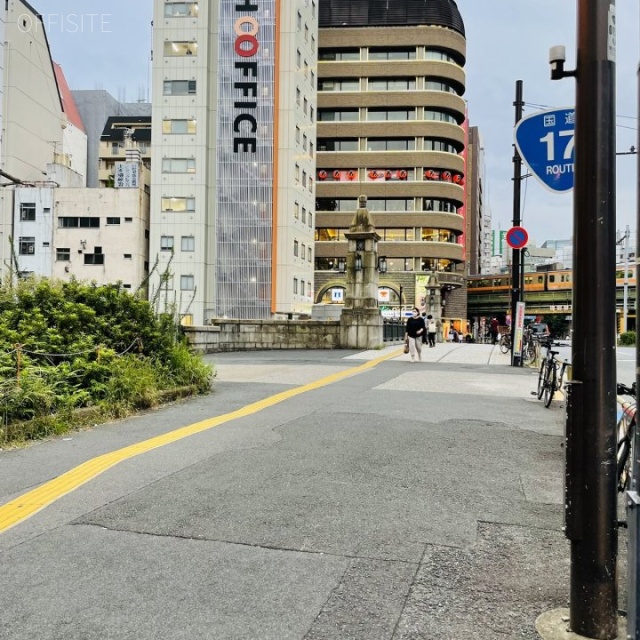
(361, 321)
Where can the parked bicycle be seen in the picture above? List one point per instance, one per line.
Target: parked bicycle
(551, 374)
(505, 343)
(625, 433)
(530, 347)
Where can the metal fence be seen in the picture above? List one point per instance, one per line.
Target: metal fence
(393, 330)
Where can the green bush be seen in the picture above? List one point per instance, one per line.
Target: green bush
(628, 338)
(68, 346)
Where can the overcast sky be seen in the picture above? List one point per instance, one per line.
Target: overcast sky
(507, 40)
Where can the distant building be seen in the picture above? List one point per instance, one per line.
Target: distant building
(96, 106)
(392, 126)
(96, 235)
(121, 134)
(43, 137)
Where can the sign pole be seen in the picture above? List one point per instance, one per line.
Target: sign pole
(592, 526)
(516, 358)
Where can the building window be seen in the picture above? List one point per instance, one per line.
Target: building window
(304, 142)
(432, 84)
(128, 256)
(435, 204)
(297, 173)
(376, 53)
(297, 133)
(187, 283)
(400, 115)
(178, 165)
(309, 256)
(179, 87)
(339, 55)
(311, 114)
(27, 211)
(441, 116)
(178, 204)
(391, 84)
(313, 43)
(330, 235)
(305, 106)
(338, 144)
(296, 210)
(306, 32)
(436, 54)
(310, 220)
(116, 149)
(332, 84)
(179, 127)
(304, 178)
(166, 243)
(304, 214)
(181, 48)
(311, 151)
(391, 144)
(388, 204)
(63, 254)
(298, 95)
(181, 10)
(97, 257)
(337, 204)
(433, 144)
(295, 285)
(187, 243)
(332, 115)
(128, 219)
(299, 21)
(295, 248)
(111, 221)
(298, 58)
(73, 222)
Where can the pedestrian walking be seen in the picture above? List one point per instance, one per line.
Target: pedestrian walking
(493, 329)
(415, 329)
(432, 329)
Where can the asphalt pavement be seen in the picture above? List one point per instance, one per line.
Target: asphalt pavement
(313, 495)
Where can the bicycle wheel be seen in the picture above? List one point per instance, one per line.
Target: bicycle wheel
(626, 425)
(529, 353)
(542, 378)
(550, 385)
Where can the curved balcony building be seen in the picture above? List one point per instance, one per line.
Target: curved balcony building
(391, 124)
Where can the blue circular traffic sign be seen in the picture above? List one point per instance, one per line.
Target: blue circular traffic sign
(517, 237)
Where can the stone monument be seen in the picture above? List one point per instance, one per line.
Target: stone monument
(361, 321)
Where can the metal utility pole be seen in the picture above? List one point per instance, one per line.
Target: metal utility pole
(591, 407)
(625, 299)
(516, 281)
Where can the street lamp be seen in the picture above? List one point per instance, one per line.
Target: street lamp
(341, 265)
(382, 264)
(357, 263)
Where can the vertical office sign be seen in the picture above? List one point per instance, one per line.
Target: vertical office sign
(245, 157)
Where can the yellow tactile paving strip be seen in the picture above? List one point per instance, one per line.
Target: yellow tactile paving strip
(28, 504)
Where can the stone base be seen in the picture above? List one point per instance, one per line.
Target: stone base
(361, 329)
(554, 625)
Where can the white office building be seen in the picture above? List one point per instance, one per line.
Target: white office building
(233, 156)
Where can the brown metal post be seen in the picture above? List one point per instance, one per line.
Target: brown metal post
(593, 531)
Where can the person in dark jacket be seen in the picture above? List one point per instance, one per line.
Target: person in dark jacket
(415, 329)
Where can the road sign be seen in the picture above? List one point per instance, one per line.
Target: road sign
(517, 237)
(545, 140)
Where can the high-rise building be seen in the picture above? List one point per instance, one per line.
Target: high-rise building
(233, 166)
(392, 126)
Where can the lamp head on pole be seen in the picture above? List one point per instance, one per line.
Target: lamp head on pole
(357, 263)
(382, 264)
(341, 265)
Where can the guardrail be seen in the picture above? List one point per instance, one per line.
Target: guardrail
(393, 330)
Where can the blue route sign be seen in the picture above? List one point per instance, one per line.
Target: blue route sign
(545, 140)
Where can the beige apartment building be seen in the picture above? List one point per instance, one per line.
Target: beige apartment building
(392, 126)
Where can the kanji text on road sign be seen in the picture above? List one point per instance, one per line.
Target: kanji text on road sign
(517, 237)
(545, 140)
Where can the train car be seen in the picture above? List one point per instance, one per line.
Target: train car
(559, 280)
(631, 276)
(497, 283)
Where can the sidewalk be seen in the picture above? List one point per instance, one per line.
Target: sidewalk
(387, 500)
